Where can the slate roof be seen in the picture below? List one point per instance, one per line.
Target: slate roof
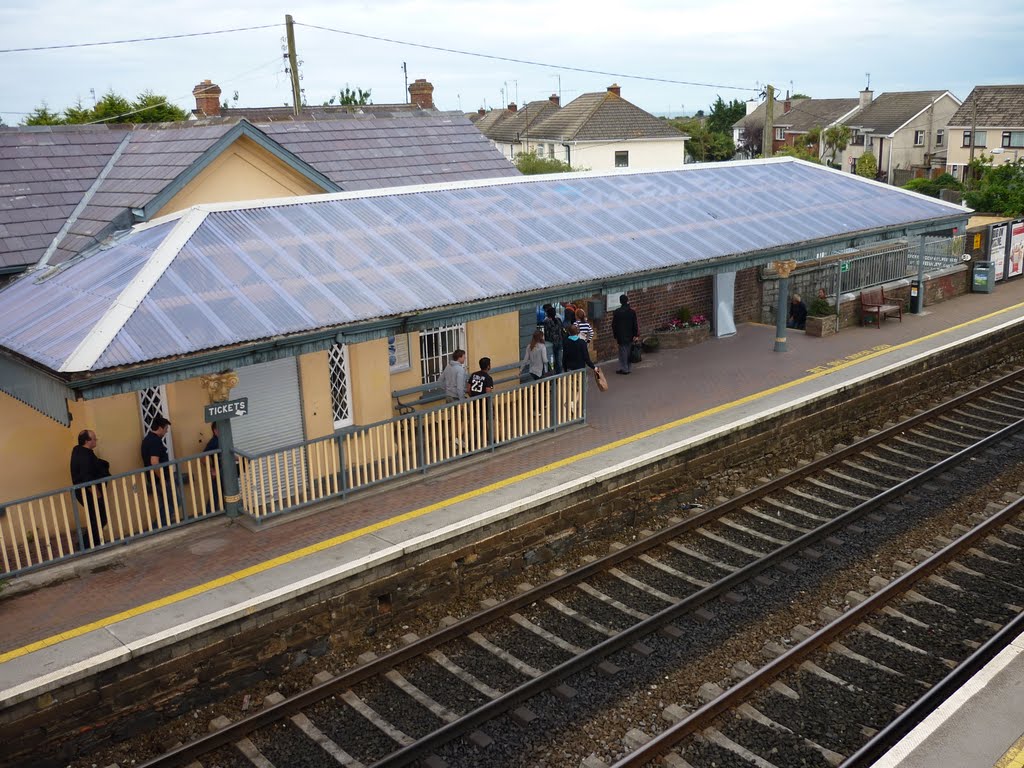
(329, 112)
(998, 106)
(756, 118)
(225, 274)
(372, 152)
(803, 115)
(47, 173)
(602, 117)
(890, 111)
(517, 125)
(44, 171)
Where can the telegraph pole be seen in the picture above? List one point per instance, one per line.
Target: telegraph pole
(293, 65)
(405, 69)
(769, 122)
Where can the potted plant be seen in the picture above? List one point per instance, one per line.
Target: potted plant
(822, 319)
(682, 330)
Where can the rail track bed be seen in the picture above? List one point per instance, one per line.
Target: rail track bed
(503, 686)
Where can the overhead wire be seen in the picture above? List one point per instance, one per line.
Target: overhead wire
(137, 39)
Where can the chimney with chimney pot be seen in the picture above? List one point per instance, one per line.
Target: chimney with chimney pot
(614, 88)
(512, 106)
(865, 97)
(786, 106)
(421, 93)
(481, 111)
(555, 99)
(207, 99)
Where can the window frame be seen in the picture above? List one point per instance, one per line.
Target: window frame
(983, 144)
(967, 138)
(1007, 139)
(340, 380)
(939, 136)
(440, 338)
(780, 134)
(622, 155)
(919, 135)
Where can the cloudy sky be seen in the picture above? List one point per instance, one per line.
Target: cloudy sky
(824, 49)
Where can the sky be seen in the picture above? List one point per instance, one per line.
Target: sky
(730, 49)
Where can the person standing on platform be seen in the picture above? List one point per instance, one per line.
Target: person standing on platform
(161, 481)
(86, 466)
(575, 351)
(586, 330)
(213, 444)
(536, 356)
(626, 330)
(555, 336)
(454, 376)
(481, 383)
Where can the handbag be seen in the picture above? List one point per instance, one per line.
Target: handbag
(636, 352)
(602, 382)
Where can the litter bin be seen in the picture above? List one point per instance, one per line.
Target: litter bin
(983, 279)
(916, 299)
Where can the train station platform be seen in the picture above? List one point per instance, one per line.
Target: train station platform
(60, 625)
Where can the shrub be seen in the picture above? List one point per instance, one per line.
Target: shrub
(867, 166)
(683, 315)
(821, 308)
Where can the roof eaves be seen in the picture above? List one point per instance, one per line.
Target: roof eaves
(242, 128)
(96, 341)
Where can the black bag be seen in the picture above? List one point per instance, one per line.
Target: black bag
(636, 352)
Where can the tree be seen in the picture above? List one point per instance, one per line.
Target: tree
(834, 139)
(799, 96)
(704, 145)
(724, 115)
(751, 145)
(42, 115)
(156, 109)
(350, 98)
(148, 107)
(799, 150)
(867, 166)
(999, 190)
(530, 164)
(932, 187)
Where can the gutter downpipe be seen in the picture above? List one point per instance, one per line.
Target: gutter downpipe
(568, 153)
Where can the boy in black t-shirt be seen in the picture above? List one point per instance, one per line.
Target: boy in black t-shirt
(480, 383)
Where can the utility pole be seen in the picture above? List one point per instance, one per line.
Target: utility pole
(974, 129)
(293, 65)
(405, 69)
(769, 122)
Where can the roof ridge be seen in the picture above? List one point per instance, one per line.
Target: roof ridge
(605, 97)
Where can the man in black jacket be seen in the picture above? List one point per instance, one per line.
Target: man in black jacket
(626, 330)
(86, 466)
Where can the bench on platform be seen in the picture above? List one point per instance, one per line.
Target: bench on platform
(874, 304)
(408, 399)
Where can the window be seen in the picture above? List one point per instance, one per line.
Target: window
(967, 138)
(918, 138)
(939, 134)
(979, 139)
(341, 391)
(622, 159)
(1013, 138)
(780, 134)
(551, 151)
(956, 172)
(153, 403)
(436, 347)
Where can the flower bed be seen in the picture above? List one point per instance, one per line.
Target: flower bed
(682, 336)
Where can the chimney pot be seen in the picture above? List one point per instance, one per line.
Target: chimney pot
(614, 88)
(786, 106)
(481, 111)
(421, 93)
(207, 95)
(555, 99)
(512, 106)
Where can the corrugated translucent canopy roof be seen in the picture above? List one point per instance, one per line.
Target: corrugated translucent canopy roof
(221, 275)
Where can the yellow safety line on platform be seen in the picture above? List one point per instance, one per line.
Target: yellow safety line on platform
(333, 542)
(1014, 757)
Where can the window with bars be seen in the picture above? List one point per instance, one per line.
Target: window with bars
(436, 347)
(341, 390)
(153, 403)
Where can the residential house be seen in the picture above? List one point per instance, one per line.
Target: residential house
(323, 305)
(595, 131)
(989, 122)
(792, 118)
(64, 189)
(906, 131)
(514, 130)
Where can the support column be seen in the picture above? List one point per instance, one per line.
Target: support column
(785, 269)
(218, 387)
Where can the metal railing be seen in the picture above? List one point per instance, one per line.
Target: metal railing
(295, 476)
(57, 525)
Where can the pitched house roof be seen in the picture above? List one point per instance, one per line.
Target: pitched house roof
(991, 106)
(285, 114)
(66, 188)
(602, 117)
(198, 280)
(803, 114)
(891, 111)
(517, 125)
(756, 117)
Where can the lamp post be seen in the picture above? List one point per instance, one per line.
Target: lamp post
(785, 269)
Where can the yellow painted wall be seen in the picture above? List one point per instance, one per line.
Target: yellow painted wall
(36, 450)
(495, 337)
(315, 380)
(244, 171)
(371, 380)
(189, 430)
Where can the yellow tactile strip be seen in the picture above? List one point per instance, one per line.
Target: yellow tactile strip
(336, 540)
(1014, 757)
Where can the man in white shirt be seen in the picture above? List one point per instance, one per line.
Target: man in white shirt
(453, 377)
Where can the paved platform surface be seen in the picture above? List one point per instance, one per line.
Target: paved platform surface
(204, 574)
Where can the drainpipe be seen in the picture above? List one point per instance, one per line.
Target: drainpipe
(568, 154)
(888, 171)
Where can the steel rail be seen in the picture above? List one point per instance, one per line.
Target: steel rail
(739, 693)
(191, 751)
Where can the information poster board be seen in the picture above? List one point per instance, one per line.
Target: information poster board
(1015, 266)
(997, 249)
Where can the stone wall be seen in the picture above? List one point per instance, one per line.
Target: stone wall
(51, 728)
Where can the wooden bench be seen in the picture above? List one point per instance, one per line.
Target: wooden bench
(874, 304)
(408, 399)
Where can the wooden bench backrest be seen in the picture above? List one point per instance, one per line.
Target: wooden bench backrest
(872, 296)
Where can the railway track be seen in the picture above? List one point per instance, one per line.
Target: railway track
(442, 699)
